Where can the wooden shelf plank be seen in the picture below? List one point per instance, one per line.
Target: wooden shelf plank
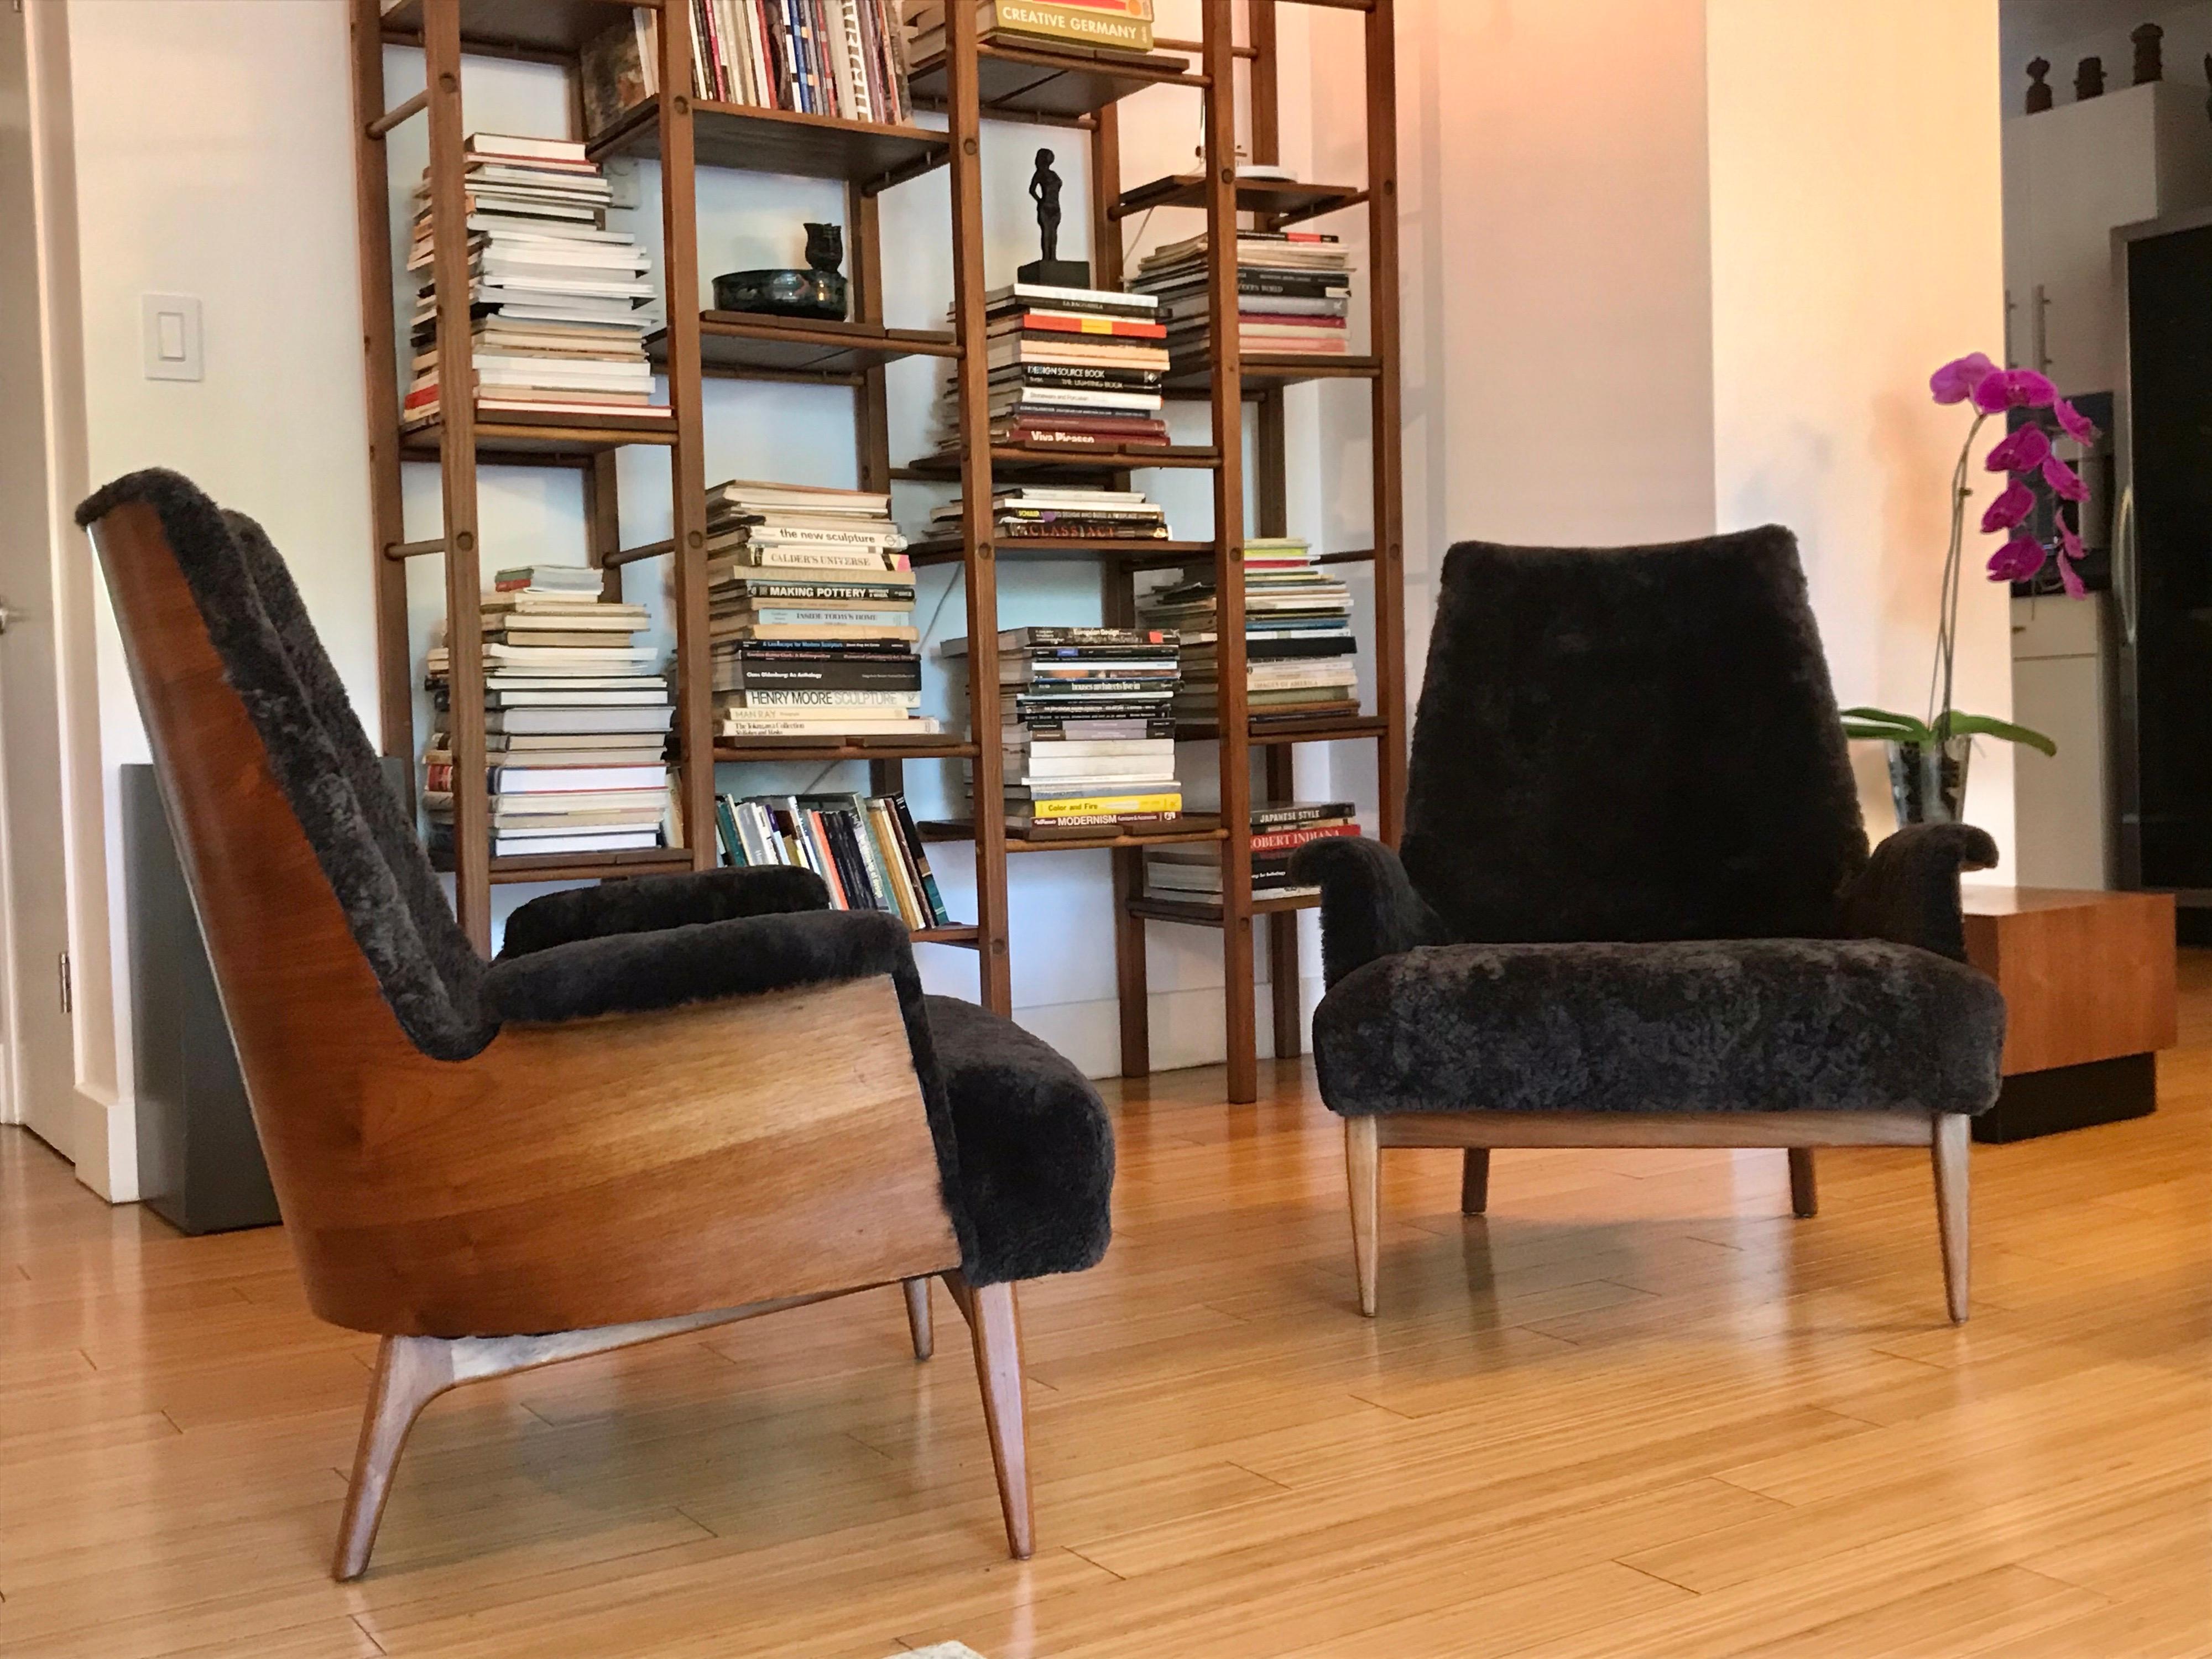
(734, 750)
(736, 344)
(746, 138)
(950, 550)
(1036, 84)
(559, 438)
(1284, 200)
(1190, 827)
(1266, 371)
(1017, 462)
(1327, 728)
(1196, 914)
(585, 866)
(517, 28)
(971, 937)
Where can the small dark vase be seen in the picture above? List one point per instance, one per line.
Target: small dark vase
(1927, 781)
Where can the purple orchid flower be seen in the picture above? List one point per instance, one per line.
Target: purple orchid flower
(2017, 561)
(2010, 510)
(2064, 480)
(2024, 451)
(2070, 555)
(1955, 381)
(2076, 425)
(2013, 388)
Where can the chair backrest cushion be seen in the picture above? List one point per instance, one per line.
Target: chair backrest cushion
(1630, 743)
(322, 760)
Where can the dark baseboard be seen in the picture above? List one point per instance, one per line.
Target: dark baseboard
(2035, 1103)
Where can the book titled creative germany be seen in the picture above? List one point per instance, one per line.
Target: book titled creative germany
(1104, 27)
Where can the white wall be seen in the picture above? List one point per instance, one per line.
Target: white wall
(1674, 266)
(1857, 237)
(213, 157)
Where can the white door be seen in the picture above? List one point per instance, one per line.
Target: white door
(39, 1079)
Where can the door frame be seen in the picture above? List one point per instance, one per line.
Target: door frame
(105, 1129)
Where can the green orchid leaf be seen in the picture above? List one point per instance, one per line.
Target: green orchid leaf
(1982, 725)
(1887, 725)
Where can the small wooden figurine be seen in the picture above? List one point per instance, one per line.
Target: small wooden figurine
(2090, 78)
(1051, 269)
(2150, 53)
(2039, 96)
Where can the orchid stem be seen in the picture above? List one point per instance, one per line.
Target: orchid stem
(1946, 623)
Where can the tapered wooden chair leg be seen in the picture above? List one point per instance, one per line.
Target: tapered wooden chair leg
(1361, 1176)
(994, 1324)
(1474, 1181)
(917, 1318)
(410, 1372)
(1953, 1132)
(1804, 1186)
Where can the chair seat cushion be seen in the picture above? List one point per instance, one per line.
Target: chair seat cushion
(1036, 1146)
(1720, 1025)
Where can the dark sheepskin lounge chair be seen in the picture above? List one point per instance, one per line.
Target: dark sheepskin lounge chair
(1635, 904)
(671, 1102)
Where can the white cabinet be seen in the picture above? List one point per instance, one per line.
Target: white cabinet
(2071, 175)
(2058, 688)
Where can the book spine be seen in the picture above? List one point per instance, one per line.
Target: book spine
(939, 916)
(826, 863)
(726, 825)
(861, 698)
(853, 862)
(1081, 24)
(1103, 805)
(855, 817)
(1289, 840)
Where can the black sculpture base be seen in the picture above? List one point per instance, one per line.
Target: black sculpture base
(2035, 1103)
(1057, 273)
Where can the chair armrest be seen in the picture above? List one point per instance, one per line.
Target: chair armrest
(653, 902)
(631, 973)
(1908, 892)
(1369, 909)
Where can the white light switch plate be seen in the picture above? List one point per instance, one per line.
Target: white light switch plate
(621, 177)
(172, 328)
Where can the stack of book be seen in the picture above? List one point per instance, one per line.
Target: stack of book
(1293, 289)
(554, 297)
(1194, 873)
(866, 849)
(1104, 28)
(576, 721)
(839, 58)
(1031, 512)
(811, 611)
(1071, 368)
(1298, 646)
(1088, 731)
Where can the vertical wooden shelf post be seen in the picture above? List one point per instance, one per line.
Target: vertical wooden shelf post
(1228, 409)
(980, 564)
(687, 478)
(395, 655)
(1389, 567)
(456, 463)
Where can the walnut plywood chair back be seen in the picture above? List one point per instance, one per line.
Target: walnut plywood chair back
(441, 1176)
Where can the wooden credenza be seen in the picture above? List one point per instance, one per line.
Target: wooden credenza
(2088, 980)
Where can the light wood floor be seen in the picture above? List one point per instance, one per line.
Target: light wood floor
(1637, 1411)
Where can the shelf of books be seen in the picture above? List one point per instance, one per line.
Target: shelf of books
(563, 745)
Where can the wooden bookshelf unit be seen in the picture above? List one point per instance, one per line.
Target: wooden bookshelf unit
(969, 83)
